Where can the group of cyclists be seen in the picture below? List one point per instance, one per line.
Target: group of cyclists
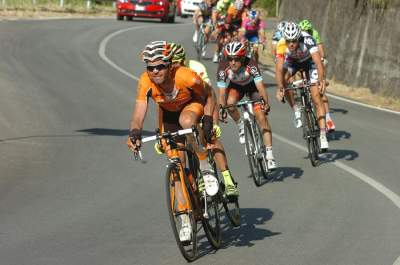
(185, 96)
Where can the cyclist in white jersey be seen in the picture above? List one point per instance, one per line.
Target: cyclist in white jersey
(298, 50)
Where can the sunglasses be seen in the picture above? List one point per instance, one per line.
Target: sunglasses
(157, 67)
(291, 41)
(234, 58)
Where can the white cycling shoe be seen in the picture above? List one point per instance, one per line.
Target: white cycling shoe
(271, 164)
(185, 233)
(204, 51)
(297, 119)
(324, 142)
(242, 139)
(210, 183)
(195, 36)
(215, 58)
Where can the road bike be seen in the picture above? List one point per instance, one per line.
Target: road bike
(254, 144)
(311, 130)
(201, 40)
(200, 207)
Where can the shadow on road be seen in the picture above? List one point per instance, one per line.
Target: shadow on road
(280, 174)
(338, 135)
(246, 235)
(336, 110)
(112, 132)
(334, 155)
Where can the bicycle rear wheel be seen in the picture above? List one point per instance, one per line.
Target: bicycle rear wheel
(312, 138)
(188, 249)
(262, 160)
(251, 150)
(200, 44)
(232, 208)
(211, 222)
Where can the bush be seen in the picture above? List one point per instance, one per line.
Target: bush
(268, 5)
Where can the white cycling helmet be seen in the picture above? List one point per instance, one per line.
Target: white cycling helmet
(157, 50)
(291, 31)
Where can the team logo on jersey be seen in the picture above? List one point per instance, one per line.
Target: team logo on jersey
(221, 75)
(254, 70)
(309, 41)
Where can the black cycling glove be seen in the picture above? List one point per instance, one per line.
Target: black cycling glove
(134, 135)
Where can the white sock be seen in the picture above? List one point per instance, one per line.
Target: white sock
(328, 116)
(269, 154)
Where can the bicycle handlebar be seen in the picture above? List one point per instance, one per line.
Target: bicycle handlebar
(242, 103)
(159, 136)
(165, 135)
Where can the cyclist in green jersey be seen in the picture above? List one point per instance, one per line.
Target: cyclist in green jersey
(305, 25)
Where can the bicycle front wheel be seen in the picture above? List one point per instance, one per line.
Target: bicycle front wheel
(312, 138)
(187, 248)
(200, 44)
(251, 150)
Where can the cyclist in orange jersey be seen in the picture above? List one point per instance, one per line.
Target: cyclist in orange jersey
(183, 99)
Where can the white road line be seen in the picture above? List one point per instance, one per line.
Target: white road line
(272, 74)
(389, 194)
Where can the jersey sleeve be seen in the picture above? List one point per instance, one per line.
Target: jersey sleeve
(316, 37)
(221, 76)
(310, 44)
(255, 72)
(281, 49)
(191, 80)
(144, 88)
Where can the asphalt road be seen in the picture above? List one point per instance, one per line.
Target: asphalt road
(70, 192)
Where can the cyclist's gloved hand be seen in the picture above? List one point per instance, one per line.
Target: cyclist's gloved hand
(217, 131)
(134, 140)
(208, 128)
(267, 107)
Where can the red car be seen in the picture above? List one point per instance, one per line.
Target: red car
(163, 9)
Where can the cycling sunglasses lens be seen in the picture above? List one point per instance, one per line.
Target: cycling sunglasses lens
(158, 67)
(234, 58)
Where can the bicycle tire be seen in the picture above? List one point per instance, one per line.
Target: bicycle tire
(251, 149)
(232, 209)
(188, 251)
(312, 138)
(262, 160)
(211, 225)
(231, 204)
(200, 44)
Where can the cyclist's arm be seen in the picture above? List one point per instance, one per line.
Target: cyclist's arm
(321, 50)
(138, 115)
(210, 102)
(320, 67)
(279, 72)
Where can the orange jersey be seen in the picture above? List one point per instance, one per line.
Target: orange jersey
(188, 87)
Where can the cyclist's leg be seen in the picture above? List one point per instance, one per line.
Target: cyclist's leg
(290, 71)
(319, 106)
(329, 121)
(168, 121)
(316, 97)
(233, 96)
(263, 123)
